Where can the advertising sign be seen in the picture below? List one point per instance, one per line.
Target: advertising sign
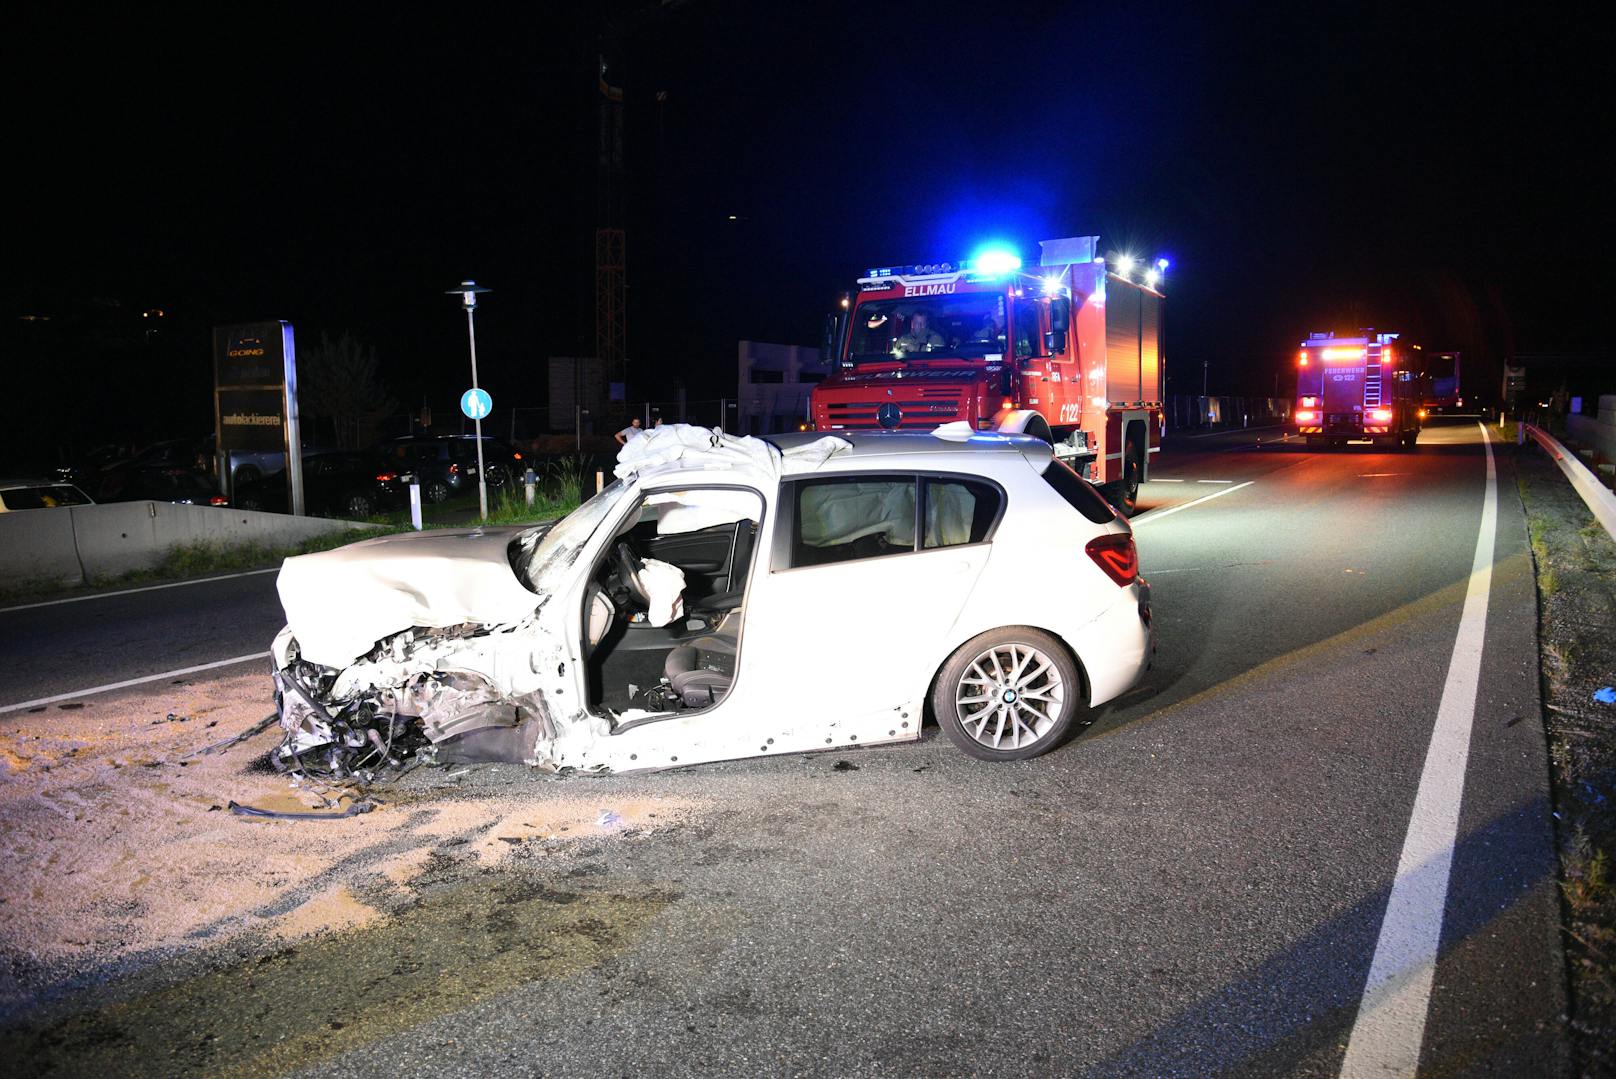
(255, 404)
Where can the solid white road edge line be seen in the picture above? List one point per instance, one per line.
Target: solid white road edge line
(132, 682)
(1390, 1026)
(132, 591)
(1156, 515)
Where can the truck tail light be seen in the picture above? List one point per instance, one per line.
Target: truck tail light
(1115, 553)
(1381, 415)
(1306, 415)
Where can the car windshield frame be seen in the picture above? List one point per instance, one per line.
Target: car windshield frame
(560, 543)
(957, 317)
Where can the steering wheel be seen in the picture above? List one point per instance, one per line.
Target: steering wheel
(629, 567)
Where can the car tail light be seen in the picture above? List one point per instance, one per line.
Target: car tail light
(1306, 416)
(516, 455)
(218, 500)
(1115, 553)
(454, 470)
(1381, 415)
(386, 477)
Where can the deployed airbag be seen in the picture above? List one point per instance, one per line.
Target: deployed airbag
(702, 447)
(664, 586)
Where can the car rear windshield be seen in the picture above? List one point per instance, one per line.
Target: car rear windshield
(1078, 493)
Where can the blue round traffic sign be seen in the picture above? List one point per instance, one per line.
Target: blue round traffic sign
(476, 404)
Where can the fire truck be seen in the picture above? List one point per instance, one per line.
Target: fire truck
(1356, 388)
(1068, 351)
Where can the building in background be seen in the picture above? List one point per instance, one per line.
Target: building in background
(775, 381)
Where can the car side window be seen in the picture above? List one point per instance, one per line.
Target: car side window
(839, 520)
(959, 511)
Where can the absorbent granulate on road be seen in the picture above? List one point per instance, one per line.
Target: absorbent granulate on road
(120, 849)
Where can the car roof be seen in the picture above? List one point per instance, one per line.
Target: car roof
(11, 485)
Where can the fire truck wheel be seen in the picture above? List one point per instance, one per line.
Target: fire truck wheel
(1410, 439)
(1008, 694)
(1124, 493)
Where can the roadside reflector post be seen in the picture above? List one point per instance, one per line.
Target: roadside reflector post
(600, 482)
(528, 480)
(415, 502)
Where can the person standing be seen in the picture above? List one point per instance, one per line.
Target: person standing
(630, 433)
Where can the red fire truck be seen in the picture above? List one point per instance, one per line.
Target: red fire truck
(1068, 351)
(1355, 388)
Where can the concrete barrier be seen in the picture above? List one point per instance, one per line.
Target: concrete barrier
(37, 546)
(82, 544)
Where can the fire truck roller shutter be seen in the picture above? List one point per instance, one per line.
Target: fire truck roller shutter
(1023, 421)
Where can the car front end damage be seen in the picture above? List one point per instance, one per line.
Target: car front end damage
(417, 695)
(470, 678)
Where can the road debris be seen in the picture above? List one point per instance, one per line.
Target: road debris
(354, 809)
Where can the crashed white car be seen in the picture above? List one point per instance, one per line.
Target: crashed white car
(726, 597)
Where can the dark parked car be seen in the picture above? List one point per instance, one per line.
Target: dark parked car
(334, 485)
(448, 463)
(159, 483)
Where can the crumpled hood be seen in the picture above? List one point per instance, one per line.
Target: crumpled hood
(340, 603)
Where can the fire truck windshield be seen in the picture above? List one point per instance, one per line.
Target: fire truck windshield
(970, 324)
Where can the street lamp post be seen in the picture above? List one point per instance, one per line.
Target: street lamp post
(467, 291)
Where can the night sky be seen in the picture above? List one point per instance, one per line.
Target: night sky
(1430, 173)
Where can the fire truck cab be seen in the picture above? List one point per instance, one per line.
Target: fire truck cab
(1068, 351)
(1355, 388)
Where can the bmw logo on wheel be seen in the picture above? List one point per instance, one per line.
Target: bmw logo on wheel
(888, 414)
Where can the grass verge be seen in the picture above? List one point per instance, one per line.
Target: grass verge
(1576, 575)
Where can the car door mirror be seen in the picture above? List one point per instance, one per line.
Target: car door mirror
(1055, 342)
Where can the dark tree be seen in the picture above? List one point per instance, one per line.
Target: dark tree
(339, 382)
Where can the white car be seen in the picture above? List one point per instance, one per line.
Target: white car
(724, 598)
(40, 495)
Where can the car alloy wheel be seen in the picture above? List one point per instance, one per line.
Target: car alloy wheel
(359, 506)
(1008, 694)
(437, 491)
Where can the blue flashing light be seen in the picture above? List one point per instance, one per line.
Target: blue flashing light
(996, 261)
(1162, 264)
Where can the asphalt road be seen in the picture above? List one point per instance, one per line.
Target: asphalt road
(1198, 883)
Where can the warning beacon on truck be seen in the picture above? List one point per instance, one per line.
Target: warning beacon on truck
(1069, 350)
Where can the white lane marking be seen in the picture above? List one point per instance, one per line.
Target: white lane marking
(132, 682)
(1391, 1017)
(132, 591)
(1156, 515)
(1162, 480)
(1214, 481)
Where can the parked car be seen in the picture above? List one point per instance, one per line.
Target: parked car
(159, 483)
(727, 597)
(40, 495)
(447, 464)
(334, 485)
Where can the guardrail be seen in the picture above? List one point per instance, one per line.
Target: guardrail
(82, 544)
(1598, 497)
